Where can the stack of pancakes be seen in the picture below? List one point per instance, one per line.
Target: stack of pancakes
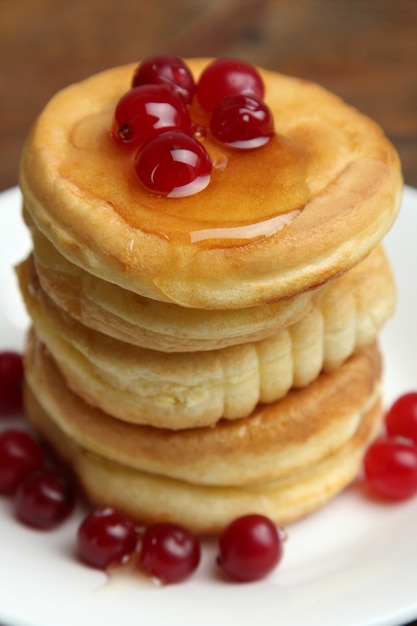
(198, 358)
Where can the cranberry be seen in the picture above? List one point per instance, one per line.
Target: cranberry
(243, 122)
(169, 552)
(11, 380)
(166, 70)
(105, 537)
(249, 548)
(44, 499)
(146, 111)
(228, 77)
(173, 164)
(20, 454)
(390, 467)
(401, 419)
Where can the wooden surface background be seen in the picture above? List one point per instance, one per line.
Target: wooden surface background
(364, 50)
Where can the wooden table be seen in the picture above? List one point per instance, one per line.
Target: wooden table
(364, 50)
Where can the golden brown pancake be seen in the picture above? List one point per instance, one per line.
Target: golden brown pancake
(129, 317)
(156, 325)
(274, 441)
(205, 478)
(183, 390)
(331, 193)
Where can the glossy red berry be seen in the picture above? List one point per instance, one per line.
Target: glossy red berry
(249, 548)
(166, 70)
(242, 122)
(20, 454)
(173, 164)
(401, 419)
(227, 77)
(390, 467)
(105, 537)
(146, 111)
(169, 552)
(44, 499)
(11, 381)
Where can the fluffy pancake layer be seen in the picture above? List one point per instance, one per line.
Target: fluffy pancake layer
(274, 441)
(197, 389)
(285, 460)
(147, 323)
(332, 192)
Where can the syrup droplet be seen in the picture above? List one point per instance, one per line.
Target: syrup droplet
(89, 132)
(264, 228)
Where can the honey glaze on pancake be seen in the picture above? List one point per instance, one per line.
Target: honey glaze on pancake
(265, 187)
(81, 192)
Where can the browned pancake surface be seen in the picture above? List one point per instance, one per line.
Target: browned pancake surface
(272, 223)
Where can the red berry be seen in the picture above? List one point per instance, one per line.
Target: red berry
(11, 380)
(166, 70)
(44, 499)
(105, 537)
(249, 548)
(169, 552)
(20, 454)
(144, 112)
(401, 419)
(242, 122)
(390, 467)
(173, 164)
(228, 77)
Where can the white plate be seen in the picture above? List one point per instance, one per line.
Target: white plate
(354, 563)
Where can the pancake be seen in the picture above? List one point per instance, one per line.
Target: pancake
(273, 442)
(183, 390)
(332, 192)
(202, 505)
(147, 323)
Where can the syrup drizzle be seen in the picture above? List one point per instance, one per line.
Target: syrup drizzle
(266, 228)
(264, 190)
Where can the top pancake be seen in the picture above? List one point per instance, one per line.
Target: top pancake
(273, 222)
